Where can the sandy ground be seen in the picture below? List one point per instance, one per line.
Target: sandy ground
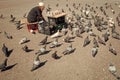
(77, 66)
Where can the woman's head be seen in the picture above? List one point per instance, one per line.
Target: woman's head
(41, 6)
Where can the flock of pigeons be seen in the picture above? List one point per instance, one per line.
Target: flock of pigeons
(85, 21)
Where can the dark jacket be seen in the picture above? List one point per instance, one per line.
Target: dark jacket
(35, 15)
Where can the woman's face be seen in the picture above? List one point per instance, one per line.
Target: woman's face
(42, 8)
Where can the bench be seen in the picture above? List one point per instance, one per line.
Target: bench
(30, 26)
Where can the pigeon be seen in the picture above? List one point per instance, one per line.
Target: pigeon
(95, 42)
(11, 16)
(12, 19)
(94, 51)
(68, 50)
(55, 56)
(101, 41)
(67, 39)
(5, 50)
(55, 44)
(23, 40)
(77, 33)
(64, 31)
(90, 32)
(112, 68)
(56, 35)
(86, 41)
(3, 65)
(115, 35)
(106, 36)
(26, 49)
(42, 51)
(36, 63)
(44, 41)
(112, 50)
(18, 25)
(1, 16)
(8, 36)
(57, 5)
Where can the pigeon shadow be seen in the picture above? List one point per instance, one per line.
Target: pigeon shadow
(9, 67)
(49, 42)
(9, 52)
(72, 51)
(58, 57)
(19, 28)
(26, 41)
(42, 63)
(45, 43)
(59, 45)
(69, 41)
(30, 50)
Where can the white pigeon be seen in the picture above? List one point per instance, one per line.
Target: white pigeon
(23, 40)
(55, 35)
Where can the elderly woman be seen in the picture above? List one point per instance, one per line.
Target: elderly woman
(35, 14)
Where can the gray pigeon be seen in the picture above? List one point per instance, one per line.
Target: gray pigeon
(86, 41)
(55, 44)
(44, 41)
(90, 32)
(3, 65)
(77, 33)
(69, 50)
(36, 63)
(5, 50)
(106, 36)
(11, 16)
(13, 19)
(94, 51)
(95, 42)
(42, 51)
(18, 25)
(64, 31)
(112, 50)
(115, 34)
(1, 16)
(67, 39)
(8, 36)
(101, 41)
(55, 56)
(26, 49)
